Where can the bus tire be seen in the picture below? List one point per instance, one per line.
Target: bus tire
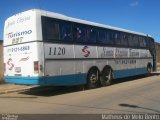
(106, 76)
(93, 78)
(149, 69)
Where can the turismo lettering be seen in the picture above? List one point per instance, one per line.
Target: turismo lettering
(18, 34)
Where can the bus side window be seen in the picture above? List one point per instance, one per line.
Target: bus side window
(147, 42)
(130, 40)
(142, 42)
(117, 38)
(135, 41)
(91, 35)
(79, 33)
(52, 30)
(124, 39)
(110, 37)
(66, 32)
(101, 36)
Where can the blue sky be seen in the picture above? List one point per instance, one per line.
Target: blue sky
(138, 15)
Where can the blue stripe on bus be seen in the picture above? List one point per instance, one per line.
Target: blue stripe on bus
(129, 72)
(68, 80)
(65, 80)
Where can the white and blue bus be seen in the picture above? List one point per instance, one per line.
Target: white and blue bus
(45, 48)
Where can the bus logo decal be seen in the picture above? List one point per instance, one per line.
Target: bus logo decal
(24, 59)
(10, 64)
(85, 51)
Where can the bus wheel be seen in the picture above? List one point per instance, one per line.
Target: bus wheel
(149, 69)
(106, 76)
(93, 78)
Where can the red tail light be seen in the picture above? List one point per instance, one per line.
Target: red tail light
(36, 66)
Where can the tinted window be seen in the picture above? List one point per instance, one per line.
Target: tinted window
(150, 42)
(124, 39)
(130, 40)
(66, 32)
(117, 38)
(50, 29)
(91, 35)
(79, 33)
(101, 36)
(147, 42)
(110, 37)
(142, 42)
(135, 41)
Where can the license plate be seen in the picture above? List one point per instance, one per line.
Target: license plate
(17, 69)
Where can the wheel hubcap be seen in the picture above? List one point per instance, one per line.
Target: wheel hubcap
(108, 76)
(93, 78)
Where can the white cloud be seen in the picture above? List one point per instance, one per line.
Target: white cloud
(135, 3)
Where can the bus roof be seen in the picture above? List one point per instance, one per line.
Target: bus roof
(64, 17)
